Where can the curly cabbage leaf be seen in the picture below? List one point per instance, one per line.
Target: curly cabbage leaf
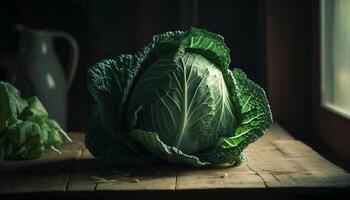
(174, 100)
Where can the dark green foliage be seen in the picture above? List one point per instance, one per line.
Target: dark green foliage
(174, 100)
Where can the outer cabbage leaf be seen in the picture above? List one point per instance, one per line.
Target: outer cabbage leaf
(254, 117)
(109, 83)
(109, 150)
(210, 45)
(170, 153)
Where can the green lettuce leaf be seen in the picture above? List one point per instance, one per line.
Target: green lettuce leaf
(11, 104)
(24, 140)
(25, 128)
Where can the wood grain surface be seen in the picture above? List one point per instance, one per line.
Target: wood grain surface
(276, 164)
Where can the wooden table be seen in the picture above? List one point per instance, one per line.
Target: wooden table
(277, 165)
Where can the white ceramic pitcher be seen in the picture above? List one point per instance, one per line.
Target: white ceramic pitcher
(38, 58)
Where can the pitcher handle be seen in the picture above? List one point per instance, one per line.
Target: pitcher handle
(73, 56)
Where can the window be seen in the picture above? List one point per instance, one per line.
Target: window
(335, 56)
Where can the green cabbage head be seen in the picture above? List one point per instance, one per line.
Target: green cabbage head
(174, 100)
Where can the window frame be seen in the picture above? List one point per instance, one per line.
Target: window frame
(293, 74)
(329, 127)
(324, 64)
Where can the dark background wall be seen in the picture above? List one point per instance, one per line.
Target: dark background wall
(105, 29)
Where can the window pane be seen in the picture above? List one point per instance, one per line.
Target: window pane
(335, 55)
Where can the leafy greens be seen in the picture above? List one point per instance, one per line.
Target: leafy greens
(175, 100)
(25, 128)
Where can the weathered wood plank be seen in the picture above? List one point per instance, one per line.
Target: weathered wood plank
(217, 178)
(295, 149)
(276, 132)
(291, 173)
(149, 182)
(49, 174)
(274, 161)
(140, 178)
(81, 184)
(6, 185)
(261, 150)
(291, 163)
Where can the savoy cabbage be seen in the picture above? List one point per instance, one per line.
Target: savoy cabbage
(174, 100)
